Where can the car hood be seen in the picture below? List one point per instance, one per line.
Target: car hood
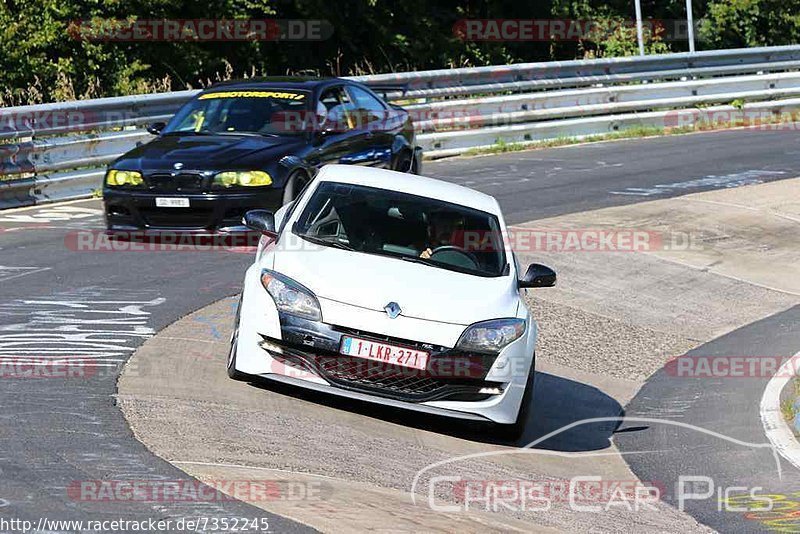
(422, 291)
(208, 152)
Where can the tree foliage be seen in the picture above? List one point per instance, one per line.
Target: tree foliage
(42, 60)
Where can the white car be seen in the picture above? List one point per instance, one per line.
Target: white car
(391, 288)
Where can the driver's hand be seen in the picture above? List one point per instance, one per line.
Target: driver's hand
(426, 254)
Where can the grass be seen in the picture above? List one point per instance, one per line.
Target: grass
(501, 146)
(788, 406)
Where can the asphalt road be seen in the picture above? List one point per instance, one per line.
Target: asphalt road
(99, 306)
(728, 406)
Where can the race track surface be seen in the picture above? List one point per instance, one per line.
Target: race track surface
(99, 306)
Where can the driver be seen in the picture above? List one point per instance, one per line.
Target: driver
(443, 230)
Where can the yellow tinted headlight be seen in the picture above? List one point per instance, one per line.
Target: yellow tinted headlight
(245, 178)
(115, 177)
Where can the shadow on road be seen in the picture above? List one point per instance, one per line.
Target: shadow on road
(557, 403)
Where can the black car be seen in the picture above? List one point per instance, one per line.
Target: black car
(237, 146)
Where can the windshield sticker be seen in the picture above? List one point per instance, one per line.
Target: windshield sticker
(283, 95)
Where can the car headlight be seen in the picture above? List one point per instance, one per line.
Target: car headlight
(245, 178)
(491, 336)
(116, 177)
(291, 297)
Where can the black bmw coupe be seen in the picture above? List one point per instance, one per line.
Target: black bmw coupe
(248, 145)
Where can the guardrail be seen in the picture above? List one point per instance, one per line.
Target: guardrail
(58, 151)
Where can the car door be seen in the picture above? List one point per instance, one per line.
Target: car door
(375, 118)
(338, 140)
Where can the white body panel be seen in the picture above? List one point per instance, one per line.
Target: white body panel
(352, 289)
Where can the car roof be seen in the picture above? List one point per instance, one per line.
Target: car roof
(410, 183)
(277, 82)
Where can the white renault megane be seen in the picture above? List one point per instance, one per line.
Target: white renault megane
(391, 288)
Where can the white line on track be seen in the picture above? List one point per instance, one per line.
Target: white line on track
(48, 205)
(775, 426)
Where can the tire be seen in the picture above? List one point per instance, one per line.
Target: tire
(294, 185)
(513, 431)
(415, 165)
(404, 162)
(232, 372)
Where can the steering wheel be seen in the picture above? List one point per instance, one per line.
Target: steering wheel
(455, 255)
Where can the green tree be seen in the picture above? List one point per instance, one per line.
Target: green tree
(743, 23)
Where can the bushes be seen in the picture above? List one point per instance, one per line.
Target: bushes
(41, 60)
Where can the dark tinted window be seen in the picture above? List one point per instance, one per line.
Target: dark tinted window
(262, 111)
(404, 226)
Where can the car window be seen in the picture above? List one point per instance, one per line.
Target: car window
(338, 109)
(262, 111)
(368, 110)
(404, 226)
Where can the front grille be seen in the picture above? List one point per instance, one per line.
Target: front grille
(177, 217)
(380, 379)
(179, 182)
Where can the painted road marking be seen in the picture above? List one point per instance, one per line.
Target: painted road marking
(725, 181)
(775, 426)
(9, 273)
(89, 324)
(52, 214)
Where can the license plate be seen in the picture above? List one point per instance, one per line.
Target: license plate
(172, 202)
(381, 352)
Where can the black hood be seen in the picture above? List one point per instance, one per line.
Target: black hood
(208, 152)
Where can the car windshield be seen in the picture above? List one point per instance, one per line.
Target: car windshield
(262, 111)
(407, 227)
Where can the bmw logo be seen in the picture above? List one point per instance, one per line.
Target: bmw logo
(178, 166)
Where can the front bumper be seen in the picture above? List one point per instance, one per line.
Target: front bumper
(313, 347)
(132, 210)
(305, 353)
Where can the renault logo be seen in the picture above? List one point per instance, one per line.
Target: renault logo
(392, 310)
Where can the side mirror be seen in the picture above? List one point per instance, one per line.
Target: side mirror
(261, 221)
(538, 276)
(156, 127)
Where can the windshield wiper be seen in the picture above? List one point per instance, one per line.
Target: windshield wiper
(321, 241)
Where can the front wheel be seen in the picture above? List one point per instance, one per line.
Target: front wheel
(404, 162)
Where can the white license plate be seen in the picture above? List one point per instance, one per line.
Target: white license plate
(172, 202)
(381, 352)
